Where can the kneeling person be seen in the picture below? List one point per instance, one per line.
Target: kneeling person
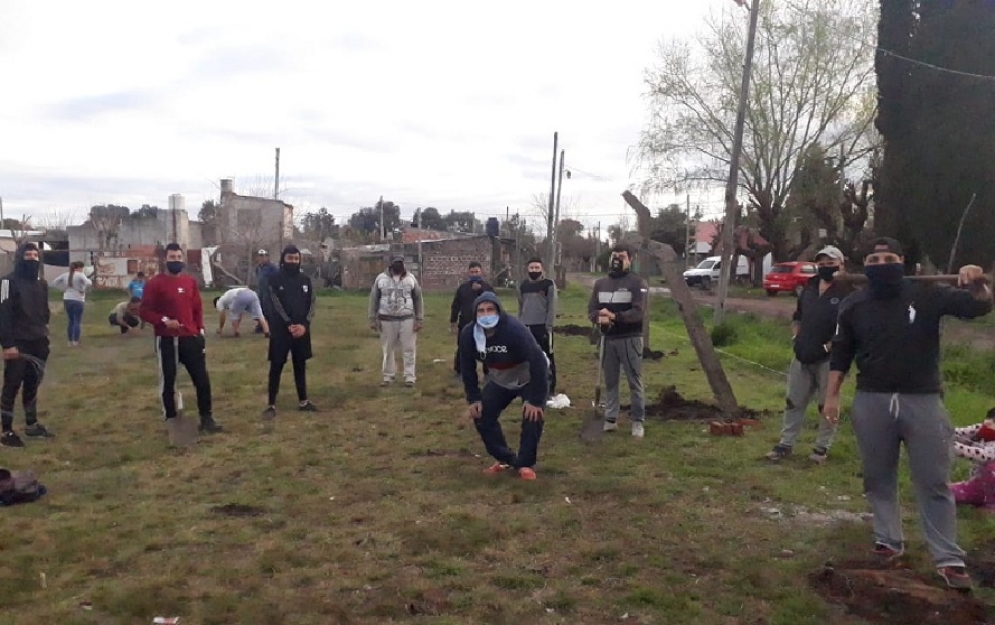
(290, 308)
(125, 315)
(518, 368)
(236, 302)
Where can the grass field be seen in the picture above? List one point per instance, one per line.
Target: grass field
(375, 510)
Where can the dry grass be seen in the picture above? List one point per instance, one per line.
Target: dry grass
(375, 510)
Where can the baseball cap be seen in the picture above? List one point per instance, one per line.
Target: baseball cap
(885, 244)
(832, 252)
(394, 258)
(262, 253)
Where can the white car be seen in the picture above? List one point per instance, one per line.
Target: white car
(708, 271)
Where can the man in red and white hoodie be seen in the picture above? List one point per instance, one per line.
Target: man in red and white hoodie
(171, 304)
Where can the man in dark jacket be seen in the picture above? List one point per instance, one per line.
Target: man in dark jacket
(264, 271)
(537, 310)
(891, 329)
(518, 368)
(289, 310)
(461, 312)
(812, 328)
(616, 306)
(24, 319)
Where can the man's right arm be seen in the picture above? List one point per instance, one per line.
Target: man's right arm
(150, 308)
(374, 302)
(454, 309)
(468, 366)
(796, 318)
(593, 304)
(8, 299)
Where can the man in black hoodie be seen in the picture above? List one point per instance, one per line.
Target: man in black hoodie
(461, 313)
(24, 319)
(289, 309)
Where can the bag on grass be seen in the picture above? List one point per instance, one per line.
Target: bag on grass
(19, 487)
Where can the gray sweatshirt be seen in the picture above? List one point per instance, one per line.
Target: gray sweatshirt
(394, 298)
(537, 303)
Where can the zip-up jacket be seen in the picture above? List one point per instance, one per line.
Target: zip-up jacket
(461, 311)
(896, 341)
(537, 303)
(24, 313)
(816, 316)
(511, 354)
(625, 295)
(173, 297)
(395, 298)
(291, 300)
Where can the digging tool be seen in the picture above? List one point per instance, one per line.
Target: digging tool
(182, 430)
(943, 278)
(593, 428)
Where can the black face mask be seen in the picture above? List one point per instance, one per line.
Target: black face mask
(617, 266)
(885, 279)
(175, 266)
(397, 268)
(28, 269)
(827, 273)
(291, 269)
(535, 275)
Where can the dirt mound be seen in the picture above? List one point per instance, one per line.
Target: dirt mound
(671, 405)
(573, 330)
(237, 510)
(900, 596)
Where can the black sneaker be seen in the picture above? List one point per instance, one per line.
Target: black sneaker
(209, 426)
(11, 439)
(819, 455)
(308, 406)
(269, 413)
(780, 452)
(37, 430)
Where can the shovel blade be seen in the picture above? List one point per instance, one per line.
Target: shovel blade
(182, 431)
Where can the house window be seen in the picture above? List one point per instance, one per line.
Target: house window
(132, 266)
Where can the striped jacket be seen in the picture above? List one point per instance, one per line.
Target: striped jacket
(625, 295)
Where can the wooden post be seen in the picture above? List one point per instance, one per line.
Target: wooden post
(644, 221)
(702, 342)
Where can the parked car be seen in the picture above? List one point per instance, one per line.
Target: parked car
(708, 271)
(789, 277)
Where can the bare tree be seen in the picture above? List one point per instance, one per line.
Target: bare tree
(812, 83)
(60, 219)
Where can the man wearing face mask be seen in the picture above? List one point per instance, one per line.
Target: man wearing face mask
(812, 328)
(537, 310)
(396, 311)
(290, 310)
(616, 306)
(461, 312)
(518, 368)
(172, 305)
(891, 329)
(24, 317)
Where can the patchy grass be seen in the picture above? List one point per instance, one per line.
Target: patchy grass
(375, 510)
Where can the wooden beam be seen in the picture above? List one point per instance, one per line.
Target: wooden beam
(644, 219)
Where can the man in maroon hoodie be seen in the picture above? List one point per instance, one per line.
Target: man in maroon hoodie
(171, 304)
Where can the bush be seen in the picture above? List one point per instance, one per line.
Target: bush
(724, 334)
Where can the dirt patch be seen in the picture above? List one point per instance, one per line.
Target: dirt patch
(573, 329)
(238, 510)
(672, 406)
(443, 453)
(892, 595)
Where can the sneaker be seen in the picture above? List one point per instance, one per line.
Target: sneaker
(819, 455)
(496, 468)
(526, 473)
(609, 426)
(209, 426)
(637, 429)
(37, 430)
(269, 413)
(887, 552)
(410, 384)
(307, 406)
(956, 577)
(11, 439)
(780, 452)
(386, 383)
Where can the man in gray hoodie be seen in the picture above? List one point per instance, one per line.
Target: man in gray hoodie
(396, 311)
(537, 311)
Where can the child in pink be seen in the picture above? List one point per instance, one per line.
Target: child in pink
(977, 444)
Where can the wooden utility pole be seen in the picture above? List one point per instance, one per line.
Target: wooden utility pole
(383, 224)
(421, 268)
(687, 237)
(557, 258)
(550, 242)
(732, 207)
(276, 177)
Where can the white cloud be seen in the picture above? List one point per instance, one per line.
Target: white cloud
(432, 103)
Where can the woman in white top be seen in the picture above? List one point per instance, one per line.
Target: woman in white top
(74, 285)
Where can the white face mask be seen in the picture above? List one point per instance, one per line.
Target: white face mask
(488, 321)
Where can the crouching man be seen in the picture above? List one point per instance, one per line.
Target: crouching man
(518, 368)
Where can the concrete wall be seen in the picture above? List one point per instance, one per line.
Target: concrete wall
(254, 221)
(137, 233)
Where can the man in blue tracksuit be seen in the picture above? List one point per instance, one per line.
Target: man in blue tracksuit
(518, 368)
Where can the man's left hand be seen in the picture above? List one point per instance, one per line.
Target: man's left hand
(418, 326)
(532, 413)
(969, 275)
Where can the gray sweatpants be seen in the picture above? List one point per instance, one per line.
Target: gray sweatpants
(805, 383)
(881, 422)
(624, 354)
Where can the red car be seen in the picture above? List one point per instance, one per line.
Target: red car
(789, 277)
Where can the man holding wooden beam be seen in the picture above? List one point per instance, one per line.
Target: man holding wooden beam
(891, 329)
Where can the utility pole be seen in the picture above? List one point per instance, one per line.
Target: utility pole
(383, 225)
(732, 208)
(550, 244)
(556, 239)
(421, 269)
(597, 254)
(1, 213)
(276, 178)
(687, 237)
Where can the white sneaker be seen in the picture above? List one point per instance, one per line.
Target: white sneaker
(610, 426)
(637, 429)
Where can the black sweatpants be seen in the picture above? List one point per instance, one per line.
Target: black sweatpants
(281, 343)
(24, 375)
(190, 352)
(545, 341)
(495, 400)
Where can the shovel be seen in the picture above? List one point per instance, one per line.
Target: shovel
(182, 431)
(593, 428)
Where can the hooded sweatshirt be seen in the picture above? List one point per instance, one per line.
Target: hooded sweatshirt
(511, 354)
(623, 293)
(24, 310)
(291, 298)
(395, 298)
(537, 303)
(462, 312)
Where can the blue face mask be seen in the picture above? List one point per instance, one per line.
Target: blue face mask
(488, 321)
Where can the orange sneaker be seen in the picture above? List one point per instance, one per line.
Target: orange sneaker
(495, 468)
(526, 473)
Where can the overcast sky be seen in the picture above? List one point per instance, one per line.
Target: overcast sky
(427, 103)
